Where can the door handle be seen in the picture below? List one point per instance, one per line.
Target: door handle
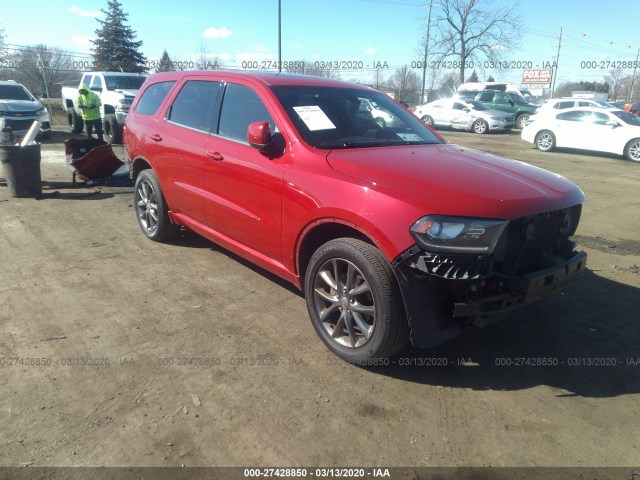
(214, 156)
(156, 138)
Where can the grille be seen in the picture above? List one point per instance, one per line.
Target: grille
(531, 241)
(18, 125)
(458, 267)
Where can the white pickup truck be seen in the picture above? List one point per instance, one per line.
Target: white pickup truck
(116, 90)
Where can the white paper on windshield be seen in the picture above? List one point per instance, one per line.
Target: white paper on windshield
(409, 137)
(314, 118)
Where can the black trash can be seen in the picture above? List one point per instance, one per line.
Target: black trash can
(21, 167)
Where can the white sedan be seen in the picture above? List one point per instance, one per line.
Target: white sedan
(595, 129)
(467, 115)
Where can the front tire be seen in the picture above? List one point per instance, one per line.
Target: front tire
(151, 208)
(632, 150)
(76, 124)
(545, 141)
(354, 301)
(480, 127)
(112, 129)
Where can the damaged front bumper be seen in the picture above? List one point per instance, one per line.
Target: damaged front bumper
(445, 293)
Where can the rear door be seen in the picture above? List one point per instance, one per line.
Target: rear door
(243, 187)
(180, 137)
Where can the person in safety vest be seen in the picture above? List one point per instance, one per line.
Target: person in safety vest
(89, 104)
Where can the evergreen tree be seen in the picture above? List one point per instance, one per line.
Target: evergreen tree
(115, 46)
(166, 65)
(473, 77)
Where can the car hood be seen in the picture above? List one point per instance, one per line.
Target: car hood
(127, 92)
(452, 180)
(19, 106)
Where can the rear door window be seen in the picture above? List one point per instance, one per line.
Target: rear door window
(153, 97)
(485, 97)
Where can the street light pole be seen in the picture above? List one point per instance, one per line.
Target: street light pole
(426, 52)
(555, 74)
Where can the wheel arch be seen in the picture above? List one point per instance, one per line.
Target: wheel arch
(320, 232)
(109, 109)
(137, 165)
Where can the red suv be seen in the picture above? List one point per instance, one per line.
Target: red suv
(393, 234)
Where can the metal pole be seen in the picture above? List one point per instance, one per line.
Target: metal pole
(633, 77)
(555, 74)
(426, 51)
(279, 39)
(46, 89)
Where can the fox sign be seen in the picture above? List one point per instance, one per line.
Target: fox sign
(537, 76)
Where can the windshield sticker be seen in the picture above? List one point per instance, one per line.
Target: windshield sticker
(409, 137)
(314, 118)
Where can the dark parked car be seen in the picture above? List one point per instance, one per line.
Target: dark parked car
(508, 102)
(393, 234)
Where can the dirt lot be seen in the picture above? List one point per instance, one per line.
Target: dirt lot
(96, 321)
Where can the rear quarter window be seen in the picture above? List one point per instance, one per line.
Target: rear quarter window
(153, 97)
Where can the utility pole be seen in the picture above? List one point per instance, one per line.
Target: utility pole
(555, 74)
(426, 52)
(46, 89)
(279, 39)
(633, 77)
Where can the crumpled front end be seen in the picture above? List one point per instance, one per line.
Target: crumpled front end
(445, 292)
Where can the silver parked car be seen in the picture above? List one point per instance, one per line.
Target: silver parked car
(19, 109)
(467, 115)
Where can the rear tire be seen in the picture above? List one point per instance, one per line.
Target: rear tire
(112, 129)
(354, 302)
(428, 120)
(151, 208)
(76, 124)
(545, 141)
(632, 150)
(521, 120)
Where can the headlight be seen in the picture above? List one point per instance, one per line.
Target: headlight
(438, 233)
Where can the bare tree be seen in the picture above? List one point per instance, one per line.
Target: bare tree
(43, 69)
(378, 79)
(615, 79)
(316, 69)
(469, 32)
(204, 60)
(405, 83)
(447, 85)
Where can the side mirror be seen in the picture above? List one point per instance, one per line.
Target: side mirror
(465, 109)
(612, 123)
(259, 135)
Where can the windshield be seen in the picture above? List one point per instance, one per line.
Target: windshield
(519, 99)
(334, 117)
(14, 92)
(117, 82)
(627, 117)
(477, 105)
(604, 104)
